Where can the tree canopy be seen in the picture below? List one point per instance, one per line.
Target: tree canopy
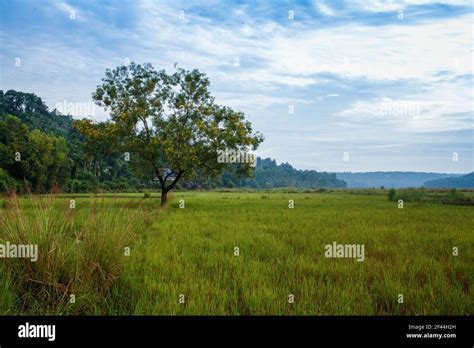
(34, 156)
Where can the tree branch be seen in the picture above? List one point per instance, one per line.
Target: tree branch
(180, 173)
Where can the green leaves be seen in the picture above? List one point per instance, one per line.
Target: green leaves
(39, 158)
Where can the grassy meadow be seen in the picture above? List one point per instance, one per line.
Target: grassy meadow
(84, 266)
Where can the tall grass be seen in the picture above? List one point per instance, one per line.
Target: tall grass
(79, 260)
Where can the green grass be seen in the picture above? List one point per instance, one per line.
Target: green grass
(190, 251)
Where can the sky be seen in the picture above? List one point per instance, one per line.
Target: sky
(334, 86)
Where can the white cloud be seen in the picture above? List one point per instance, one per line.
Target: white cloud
(256, 100)
(70, 11)
(292, 55)
(395, 5)
(324, 8)
(392, 52)
(272, 54)
(446, 107)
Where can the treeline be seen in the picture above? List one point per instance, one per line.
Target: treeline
(41, 151)
(268, 174)
(460, 182)
(389, 179)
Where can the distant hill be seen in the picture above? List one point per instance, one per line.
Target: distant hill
(391, 179)
(465, 181)
(33, 112)
(268, 174)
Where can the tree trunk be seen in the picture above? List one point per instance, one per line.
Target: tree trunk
(164, 197)
(165, 189)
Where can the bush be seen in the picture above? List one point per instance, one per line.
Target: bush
(392, 194)
(412, 195)
(455, 194)
(7, 183)
(79, 186)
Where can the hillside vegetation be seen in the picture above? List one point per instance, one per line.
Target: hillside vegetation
(389, 179)
(460, 182)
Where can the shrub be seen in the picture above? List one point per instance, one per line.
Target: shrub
(7, 183)
(392, 194)
(78, 186)
(412, 195)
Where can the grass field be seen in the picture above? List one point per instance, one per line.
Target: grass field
(191, 251)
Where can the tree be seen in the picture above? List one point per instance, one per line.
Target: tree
(46, 162)
(14, 102)
(38, 158)
(169, 125)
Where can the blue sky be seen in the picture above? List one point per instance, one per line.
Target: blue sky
(333, 85)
